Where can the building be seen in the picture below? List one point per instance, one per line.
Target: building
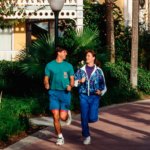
(38, 18)
(126, 8)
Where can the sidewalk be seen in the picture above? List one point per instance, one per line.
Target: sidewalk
(121, 127)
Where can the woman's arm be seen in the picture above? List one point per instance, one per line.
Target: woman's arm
(79, 78)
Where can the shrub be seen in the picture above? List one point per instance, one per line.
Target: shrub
(144, 50)
(144, 81)
(118, 83)
(36, 56)
(14, 115)
(9, 125)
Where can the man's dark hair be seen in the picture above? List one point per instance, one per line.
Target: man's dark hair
(60, 49)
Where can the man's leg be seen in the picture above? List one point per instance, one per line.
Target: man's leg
(55, 109)
(65, 113)
(56, 119)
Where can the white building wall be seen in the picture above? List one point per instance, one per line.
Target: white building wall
(128, 12)
(5, 44)
(143, 13)
(79, 20)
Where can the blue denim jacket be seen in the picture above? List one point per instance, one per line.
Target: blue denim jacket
(92, 84)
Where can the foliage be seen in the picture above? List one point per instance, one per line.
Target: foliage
(144, 50)
(26, 76)
(118, 83)
(14, 82)
(8, 8)
(7, 72)
(14, 115)
(123, 45)
(35, 57)
(144, 81)
(77, 42)
(95, 17)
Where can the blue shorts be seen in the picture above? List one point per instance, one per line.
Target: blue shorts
(59, 100)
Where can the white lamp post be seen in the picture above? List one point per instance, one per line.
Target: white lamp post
(56, 6)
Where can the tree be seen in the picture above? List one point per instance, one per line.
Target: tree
(110, 29)
(149, 15)
(134, 47)
(7, 8)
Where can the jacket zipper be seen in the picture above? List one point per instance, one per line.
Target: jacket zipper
(89, 80)
(88, 84)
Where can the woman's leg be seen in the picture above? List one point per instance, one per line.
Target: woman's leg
(93, 110)
(84, 106)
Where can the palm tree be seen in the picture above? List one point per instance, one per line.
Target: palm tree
(110, 29)
(149, 15)
(36, 56)
(76, 43)
(134, 48)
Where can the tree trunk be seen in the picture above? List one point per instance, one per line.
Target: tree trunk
(110, 29)
(28, 33)
(149, 16)
(1, 97)
(134, 48)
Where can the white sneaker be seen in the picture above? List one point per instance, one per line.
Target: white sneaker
(60, 141)
(87, 140)
(69, 120)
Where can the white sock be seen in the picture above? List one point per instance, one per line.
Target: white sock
(60, 135)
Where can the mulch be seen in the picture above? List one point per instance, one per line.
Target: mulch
(15, 138)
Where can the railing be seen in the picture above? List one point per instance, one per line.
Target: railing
(40, 9)
(9, 54)
(42, 2)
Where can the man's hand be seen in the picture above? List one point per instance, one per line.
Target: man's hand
(69, 88)
(47, 87)
(98, 92)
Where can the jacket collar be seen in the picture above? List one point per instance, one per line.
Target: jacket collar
(84, 68)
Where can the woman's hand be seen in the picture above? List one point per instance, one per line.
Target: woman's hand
(98, 92)
(82, 80)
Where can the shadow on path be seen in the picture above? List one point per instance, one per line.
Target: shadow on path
(125, 127)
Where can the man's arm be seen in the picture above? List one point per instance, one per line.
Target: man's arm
(46, 83)
(72, 81)
(69, 87)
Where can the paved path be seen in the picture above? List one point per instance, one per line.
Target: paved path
(121, 127)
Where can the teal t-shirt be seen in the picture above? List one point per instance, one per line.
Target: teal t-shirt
(59, 74)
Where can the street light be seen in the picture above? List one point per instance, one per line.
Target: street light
(142, 3)
(56, 6)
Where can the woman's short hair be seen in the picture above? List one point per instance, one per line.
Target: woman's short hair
(91, 51)
(97, 62)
